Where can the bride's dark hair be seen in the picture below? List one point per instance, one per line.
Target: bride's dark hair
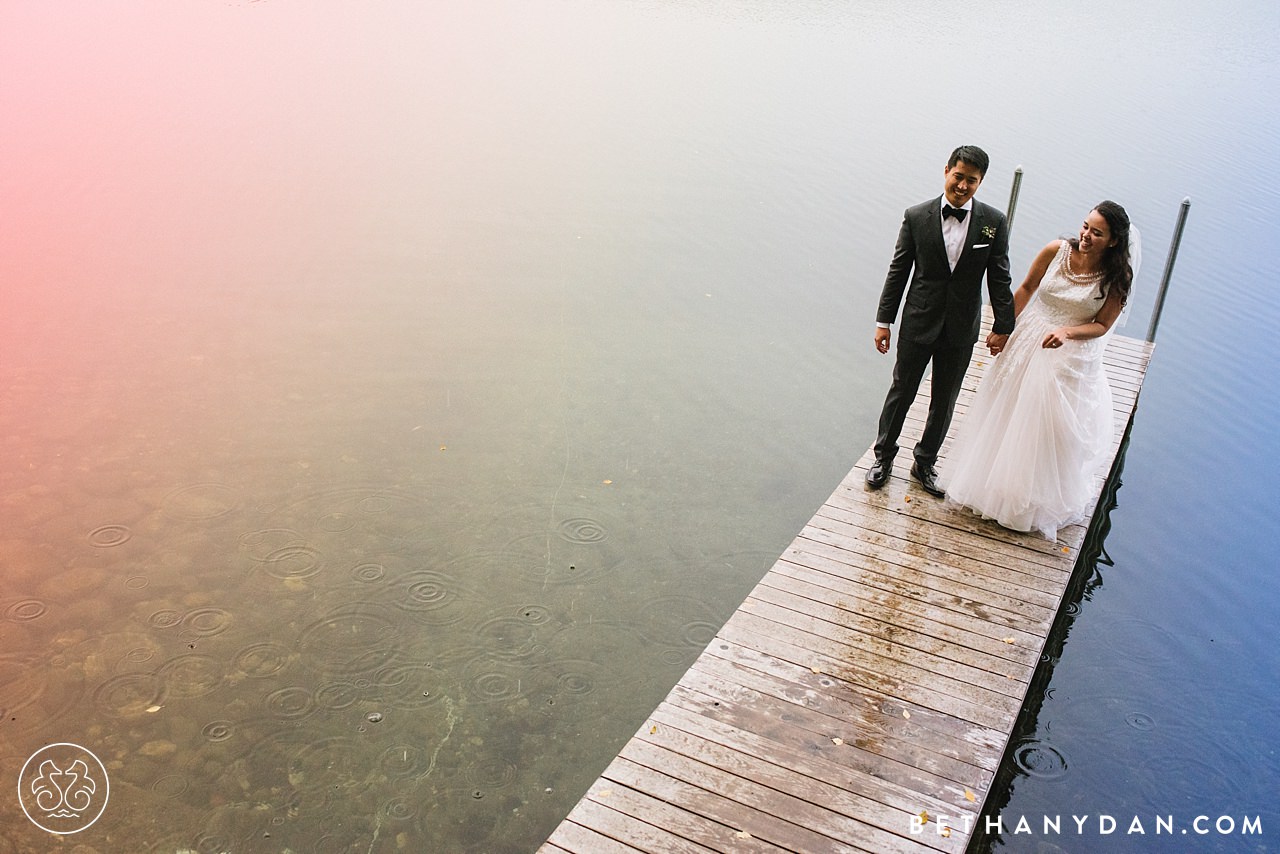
(1116, 272)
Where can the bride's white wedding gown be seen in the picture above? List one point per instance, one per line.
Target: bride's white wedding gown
(1040, 426)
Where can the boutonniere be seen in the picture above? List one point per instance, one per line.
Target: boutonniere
(989, 232)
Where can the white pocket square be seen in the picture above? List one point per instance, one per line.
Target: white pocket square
(981, 245)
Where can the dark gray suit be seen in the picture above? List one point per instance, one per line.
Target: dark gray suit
(942, 315)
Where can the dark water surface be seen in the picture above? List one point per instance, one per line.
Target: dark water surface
(395, 398)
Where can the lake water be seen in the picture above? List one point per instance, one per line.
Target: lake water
(395, 398)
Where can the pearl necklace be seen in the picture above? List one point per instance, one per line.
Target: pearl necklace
(1080, 278)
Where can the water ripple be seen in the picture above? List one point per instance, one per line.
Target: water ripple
(509, 637)
(534, 613)
(336, 523)
(202, 501)
(170, 786)
(218, 730)
(24, 682)
(206, 622)
(1141, 640)
(261, 660)
(108, 536)
(678, 621)
(290, 703)
(261, 544)
(191, 675)
(404, 761)
(582, 530)
(337, 695)
(1039, 759)
(492, 681)
(368, 573)
(492, 772)
(292, 561)
(1141, 722)
(560, 544)
(351, 639)
(580, 687)
(435, 596)
(165, 618)
(129, 694)
(399, 809)
(26, 609)
(138, 658)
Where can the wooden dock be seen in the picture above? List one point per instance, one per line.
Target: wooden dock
(863, 695)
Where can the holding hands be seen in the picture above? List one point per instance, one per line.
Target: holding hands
(995, 343)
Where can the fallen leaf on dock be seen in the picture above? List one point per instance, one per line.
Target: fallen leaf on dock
(906, 714)
(1008, 640)
(837, 741)
(944, 831)
(970, 796)
(924, 816)
(741, 834)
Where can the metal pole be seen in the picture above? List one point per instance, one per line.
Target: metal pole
(1013, 198)
(1168, 268)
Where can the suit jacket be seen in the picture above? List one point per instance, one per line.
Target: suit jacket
(941, 304)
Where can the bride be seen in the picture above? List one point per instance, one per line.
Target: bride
(1040, 426)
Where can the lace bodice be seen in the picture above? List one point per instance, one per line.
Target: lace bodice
(1063, 300)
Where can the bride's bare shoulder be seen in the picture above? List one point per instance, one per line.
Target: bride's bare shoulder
(1045, 255)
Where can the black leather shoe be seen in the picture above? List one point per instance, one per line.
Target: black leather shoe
(878, 474)
(928, 477)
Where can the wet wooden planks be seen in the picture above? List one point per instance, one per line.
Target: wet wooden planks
(874, 675)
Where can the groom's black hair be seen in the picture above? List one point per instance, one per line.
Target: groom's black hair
(972, 155)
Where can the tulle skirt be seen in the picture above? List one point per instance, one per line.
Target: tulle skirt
(1038, 430)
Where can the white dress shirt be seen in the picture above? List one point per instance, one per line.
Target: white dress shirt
(954, 231)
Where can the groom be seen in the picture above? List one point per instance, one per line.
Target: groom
(945, 247)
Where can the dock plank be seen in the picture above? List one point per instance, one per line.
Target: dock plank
(873, 675)
(737, 808)
(841, 623)
(928, 745)
(687, 826)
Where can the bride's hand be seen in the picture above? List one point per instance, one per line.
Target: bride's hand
(1055, 339)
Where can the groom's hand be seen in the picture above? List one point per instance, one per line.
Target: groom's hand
(995, 343)
(882, 339)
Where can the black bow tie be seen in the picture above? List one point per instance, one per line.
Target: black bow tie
(958, 213)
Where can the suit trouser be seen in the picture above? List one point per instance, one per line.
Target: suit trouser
(949, 365)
